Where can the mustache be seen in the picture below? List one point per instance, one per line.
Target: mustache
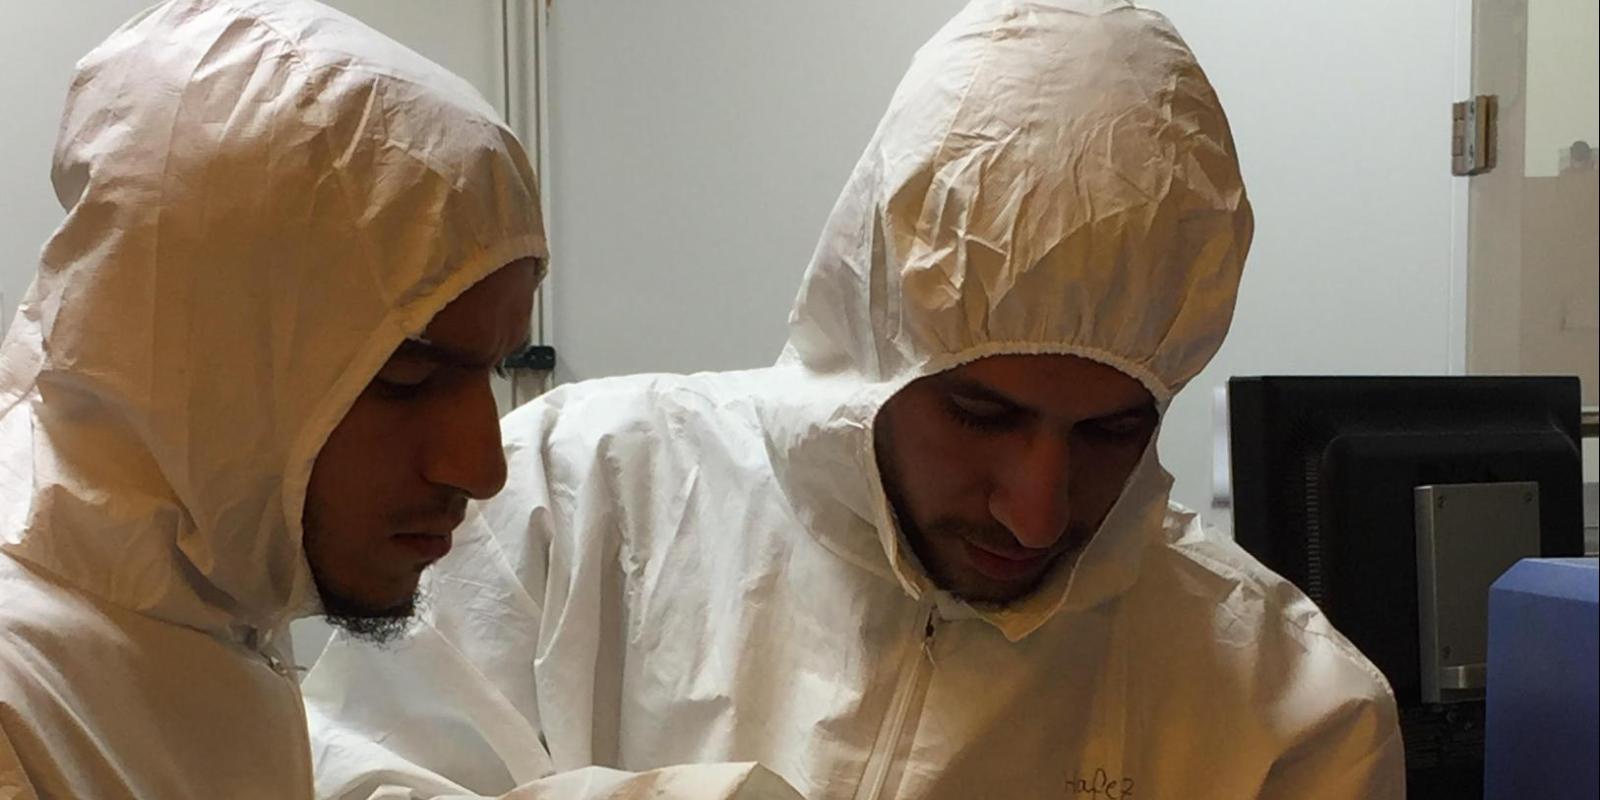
(430, 516)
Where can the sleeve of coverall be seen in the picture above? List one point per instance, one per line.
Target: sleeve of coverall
(14, 783)
(421, 719)
(1356, 754)
(452, 709)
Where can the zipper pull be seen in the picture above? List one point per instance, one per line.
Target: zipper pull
(266, 645)
(927, 636)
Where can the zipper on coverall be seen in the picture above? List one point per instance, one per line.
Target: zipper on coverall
(915, 672)
(265, 645)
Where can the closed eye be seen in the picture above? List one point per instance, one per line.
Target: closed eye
(406, 373)
(1121, 426)
(981, 414)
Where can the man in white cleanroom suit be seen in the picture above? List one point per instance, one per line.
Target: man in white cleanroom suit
(250, 383)
(930, 553)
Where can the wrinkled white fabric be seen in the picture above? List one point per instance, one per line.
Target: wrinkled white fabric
(704, 568)
(262, 200)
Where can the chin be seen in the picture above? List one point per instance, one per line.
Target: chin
(392, 600)
(994, 598)
(400, 602)
(985, 591)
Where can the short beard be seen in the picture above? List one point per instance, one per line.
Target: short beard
(917, 537)
(910, 532)
(367, 623)
(381, 626)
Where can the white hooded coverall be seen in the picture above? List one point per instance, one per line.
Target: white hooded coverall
(263, 199)
(701, 569)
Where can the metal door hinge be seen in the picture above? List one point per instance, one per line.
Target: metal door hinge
(1474, 135)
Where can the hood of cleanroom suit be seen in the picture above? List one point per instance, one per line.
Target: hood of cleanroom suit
(260, 206)
(1049, 178)
(692, 569)
(263, 199)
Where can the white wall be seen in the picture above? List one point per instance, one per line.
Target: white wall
(697, 146)
(695, 149)
(40, 42)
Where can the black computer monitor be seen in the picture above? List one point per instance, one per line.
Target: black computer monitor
(1324, 475)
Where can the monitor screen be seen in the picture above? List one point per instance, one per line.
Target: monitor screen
(1325, 473)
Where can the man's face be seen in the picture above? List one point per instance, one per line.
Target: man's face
(394, 477)
(997, 468)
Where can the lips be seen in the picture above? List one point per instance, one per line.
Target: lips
(426, 546)
(429, 540)
(1009, 566)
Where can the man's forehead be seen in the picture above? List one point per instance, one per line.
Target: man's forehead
(1060, 382)
(489, 321)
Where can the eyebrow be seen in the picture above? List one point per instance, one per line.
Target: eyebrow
(1146, 409)
(979, 391)
(419, 347)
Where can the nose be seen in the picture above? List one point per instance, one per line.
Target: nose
(464, 453)
(1031, 494)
